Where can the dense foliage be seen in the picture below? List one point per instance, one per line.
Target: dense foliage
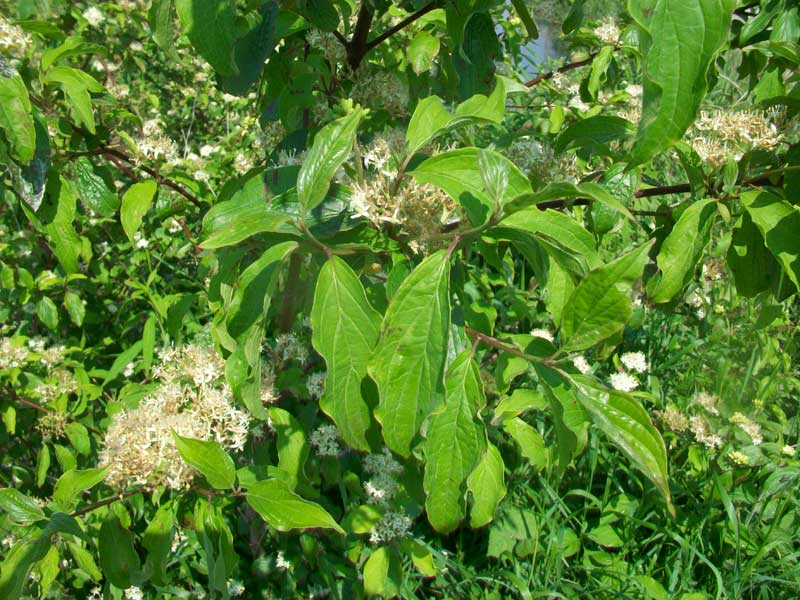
(353, 298)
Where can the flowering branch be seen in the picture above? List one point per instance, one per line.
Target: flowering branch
(45, 410)
(500, 345)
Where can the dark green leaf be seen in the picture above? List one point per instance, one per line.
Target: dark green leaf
(118, 558)
(210, 26)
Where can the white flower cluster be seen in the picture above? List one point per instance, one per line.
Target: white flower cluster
(540, 162)
(418, 210)
(675, 419)
(725, 134)
(12, 354)
(315, 384)
(623, 380)
(751, 428)
(707, 401)
(392, 525)
(701, 430)
(608, 32)
(544, 334)
(134, 593)
(14, 41)
(94, 16)
(156, 145)
(288, 347)
(139, 447)
(380, 90)
(384, 469)
(583, 366)
(325, 439)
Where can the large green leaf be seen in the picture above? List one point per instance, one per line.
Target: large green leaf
(161, 19)
(209, 458)
(454, 443)
(487, 486)
(77, 86)
(157, 540)
(749, 259)
(594, 132)
(252, 50)
(254, 289)
(601, 304)
(680, 43)
(628, 426)
(19, 508)
(332, 145)
(118, 558)
(345, 331)
(291, 444)
(211, 27)
(74, 482)
(135, 203)
(408, 364)
(779, 223)
(431, 118)
(18, 563)
(15, 115)
(93, 191)
(284, 510)
(457, 173)
(683, 248)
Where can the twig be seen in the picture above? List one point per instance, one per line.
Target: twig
(564, 69)
(401, 25)
(107, 501)
(494, 342)
(47, 411)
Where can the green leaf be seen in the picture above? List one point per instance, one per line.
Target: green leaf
(78, 436)
(779, 224)
(15, 115)
(382, 573)
(595, 132)
(421, 51)
(680, 42)
(454, 443)
(527, 19)
(487, 486)
(254, 289)
(431, 118)
(42, 464)
(135, 203)
(245, 214)
(157, 540)
(332, 145)
(284, 510)
(118, 558)
(209, 458)
(628, 426)
(77, 86)
(408, 364)
(530, 442)
(345, 330)
(253, 49)
(75, 308)
(18, 563)
(291, 444)
(210, 26)
(47, 311)
(749, 259)
(601, 304)
(72, 46)
(85, 561)
(682, 249)
(74, 482)
(162, 23)
(457, 172)
(19, 508)
(597, 75)
(93, 191)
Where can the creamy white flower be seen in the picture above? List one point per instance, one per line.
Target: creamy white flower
(128, 370)
(281, 562)
(543, 333)
(134, 593)
(94, 16)
(624, 382)
(392, 525)
(635, 361)
(325, 439)
(580, 363)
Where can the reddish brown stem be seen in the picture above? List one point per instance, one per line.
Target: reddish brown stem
(564, 69)
(107, 501)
